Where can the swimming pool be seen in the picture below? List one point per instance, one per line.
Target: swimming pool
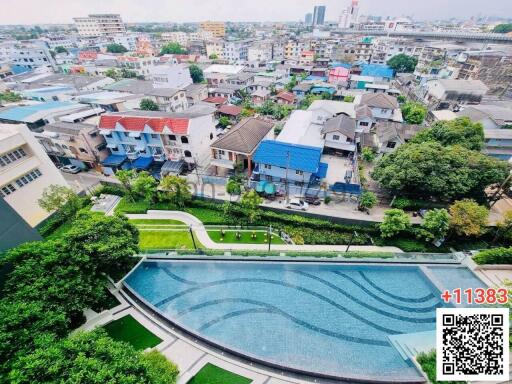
(329, 319)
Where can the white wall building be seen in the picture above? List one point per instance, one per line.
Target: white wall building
(25, 171)
(27, 54)
(100, 25)
(171, 76)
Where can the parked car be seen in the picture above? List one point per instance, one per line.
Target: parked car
(70, 169)
(297, 204)
(312, 200)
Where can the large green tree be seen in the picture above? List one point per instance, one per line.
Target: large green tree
(414, 113)
(196, 73)
(91, 357)
(437, 223)
(395, 221)
(175, 189)
(402, 63)
(467, 218)
(116, 48)
(503, 28)
(59, 197)
(431, 170)
(144, 186)
(172, 49)
(148, 105)
(461, 131)
(250, 202)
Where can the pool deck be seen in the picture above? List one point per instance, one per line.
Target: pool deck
(203, 237)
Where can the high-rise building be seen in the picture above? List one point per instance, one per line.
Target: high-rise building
(308, 19)
(25, 171)
(319, 15)
(107, 24)
(217, 28)
(349, 15)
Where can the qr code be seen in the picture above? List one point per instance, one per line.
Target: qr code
(472, 344)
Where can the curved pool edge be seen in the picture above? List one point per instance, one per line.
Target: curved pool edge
(133, 295)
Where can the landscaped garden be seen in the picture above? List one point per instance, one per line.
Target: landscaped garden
(211, 374)
(166, 239)
(129, 330)
(243, 237)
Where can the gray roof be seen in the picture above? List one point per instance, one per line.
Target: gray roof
(343, 124)
(387, 130)
(194, 89)
(242, 76)
(303, 87)
(499, 114)
(245, 136)
(498, 134)
(462, 85)
(67, 128)
(379, 100)
(363, 111)
(76, 81)
(163, 92)
(137, 86)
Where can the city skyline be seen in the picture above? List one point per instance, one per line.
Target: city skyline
(62, 12)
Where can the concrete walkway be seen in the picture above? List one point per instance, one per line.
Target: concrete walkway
(202, 235)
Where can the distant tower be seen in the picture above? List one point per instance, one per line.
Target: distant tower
(319, 15)
(308, 19)
(350, 15)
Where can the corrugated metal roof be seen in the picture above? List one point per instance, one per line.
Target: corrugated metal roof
(292, 156)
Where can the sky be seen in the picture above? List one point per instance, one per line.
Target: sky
(63, 11)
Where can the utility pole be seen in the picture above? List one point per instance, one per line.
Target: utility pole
(354, 234)
(192, 235)
(286, 177)
(269, 236)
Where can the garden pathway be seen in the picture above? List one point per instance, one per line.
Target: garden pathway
(202, 235)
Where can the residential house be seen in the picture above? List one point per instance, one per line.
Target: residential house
(491, 116)
(302, 90)
(286, 98)
(387, 136)
(260, 96)
(236, 147)
(377, 71)
(383, 106)
(228, 91)
(232, 112)
(78, 144)
(444, 92)
(338, 75)
(498, 143)
(339, 134)
(196, 93)
(136, 139)
(217, 74)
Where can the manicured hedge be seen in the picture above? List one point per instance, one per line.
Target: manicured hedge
(494, 256)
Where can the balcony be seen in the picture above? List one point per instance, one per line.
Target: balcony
(159, 157)
(132, 155)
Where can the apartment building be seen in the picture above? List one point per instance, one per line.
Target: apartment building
(236, 52)
(26, 55)
(25, 171)
(107, 24)
(216, 28)
(141, 65)
(171, 76)
(215, 47)
(294, 48)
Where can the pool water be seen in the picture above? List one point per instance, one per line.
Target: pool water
(325, 318)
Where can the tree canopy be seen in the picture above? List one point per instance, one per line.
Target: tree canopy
(461, 131)
(503, 28)
(429, 169)
(437, 223)
(116, 48)
(467, 218)
(91, 357)
(172, 49)
(148, 105)
(395, 221)
(402, 63)
(60, 49)
(414, 113)
(250, 202)
(175, 190)
(196, 73)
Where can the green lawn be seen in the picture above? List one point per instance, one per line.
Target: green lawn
(156, 221)
(161, 239)
(245, 237)
(131, 331)
(211, 374)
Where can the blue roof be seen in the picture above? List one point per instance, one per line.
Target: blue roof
(293, 156)
(340, 64)
(377, 70)
(20, 113)
(316, 78)
(114, 160)
(142, 162)
(322, 170)
(330, 90)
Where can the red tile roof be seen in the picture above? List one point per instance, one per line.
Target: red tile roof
(135, 123)
(215, 100)
(288, 96)
(232, 110)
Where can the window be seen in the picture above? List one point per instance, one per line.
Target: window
(211, 136)
(188, 154)
(154, 136)
(297, 172)
(335, 137)
(7, 190)
(172, 137)
(222, 152)
(184, 139)
(267, 166)
(83, 150)
(363, 123)
(11, 157)
(391, 144)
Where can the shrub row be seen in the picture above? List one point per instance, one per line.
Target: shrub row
(494, 256)
(414, 205)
